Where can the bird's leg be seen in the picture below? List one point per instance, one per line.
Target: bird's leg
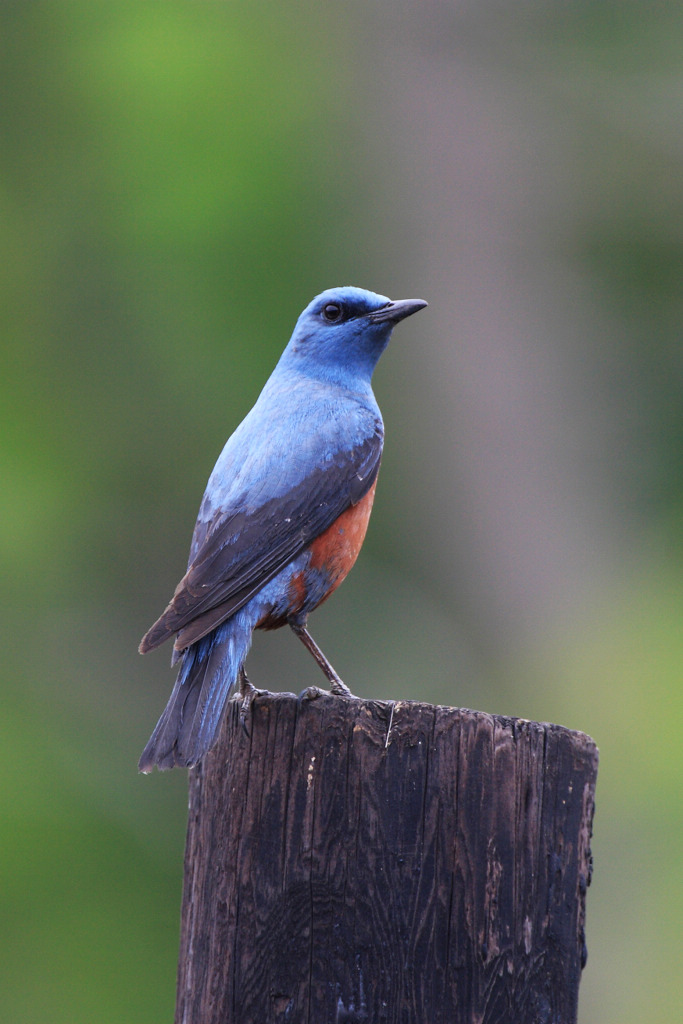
(337, 685)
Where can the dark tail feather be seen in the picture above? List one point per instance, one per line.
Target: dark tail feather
(188, 728)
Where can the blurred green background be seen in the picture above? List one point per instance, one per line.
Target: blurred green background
(177, 180)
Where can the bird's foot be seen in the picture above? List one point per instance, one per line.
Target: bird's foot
(247, 694)
(340, 689)
(311, 693)
(337, 689)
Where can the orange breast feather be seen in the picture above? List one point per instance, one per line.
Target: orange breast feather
(337, 548)
(333, 553)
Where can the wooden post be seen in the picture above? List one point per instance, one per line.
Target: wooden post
(358, 861)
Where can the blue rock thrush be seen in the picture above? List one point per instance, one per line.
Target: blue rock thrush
(283, 517)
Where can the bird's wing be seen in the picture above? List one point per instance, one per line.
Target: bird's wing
(244, 547)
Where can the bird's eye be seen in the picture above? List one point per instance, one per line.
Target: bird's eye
(333, 312)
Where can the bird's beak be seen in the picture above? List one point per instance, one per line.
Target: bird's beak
(396, 311)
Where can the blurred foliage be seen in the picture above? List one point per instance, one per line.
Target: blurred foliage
(176, 181)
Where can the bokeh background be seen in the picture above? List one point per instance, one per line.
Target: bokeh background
(177, 180)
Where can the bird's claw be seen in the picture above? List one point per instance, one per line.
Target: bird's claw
(312, 693)
(247, 694)
(244, 714)
(245, 711)
(340, 689)
(337, 689)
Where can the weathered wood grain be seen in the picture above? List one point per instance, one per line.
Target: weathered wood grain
(357, 861)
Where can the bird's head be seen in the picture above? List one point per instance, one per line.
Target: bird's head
(342, 333)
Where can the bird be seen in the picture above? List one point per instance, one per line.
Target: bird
(282, 519)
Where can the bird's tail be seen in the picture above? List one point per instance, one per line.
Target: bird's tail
(188, 728)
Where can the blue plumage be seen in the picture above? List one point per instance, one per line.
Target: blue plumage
(265, 550)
